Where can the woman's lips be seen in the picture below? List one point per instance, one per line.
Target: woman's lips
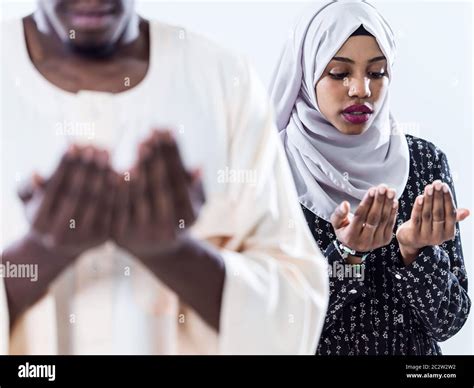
(355, 118)
(357, 114)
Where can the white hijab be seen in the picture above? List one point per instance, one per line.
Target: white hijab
(329, 166)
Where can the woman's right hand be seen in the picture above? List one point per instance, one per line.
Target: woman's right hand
(371, 226)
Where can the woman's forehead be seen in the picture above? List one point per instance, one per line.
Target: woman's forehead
(360, 49)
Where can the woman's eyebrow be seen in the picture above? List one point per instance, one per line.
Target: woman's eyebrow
(348, 60)
(376, 59)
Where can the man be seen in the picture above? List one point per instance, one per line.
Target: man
(109, 213)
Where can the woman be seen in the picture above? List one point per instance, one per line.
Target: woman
(391, 293)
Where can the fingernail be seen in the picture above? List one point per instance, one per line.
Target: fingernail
(429, 190)
(371, 192)
(445, 188)
(390, 194)
(395, 204)
(420, 200)
(164, 136)
(72, 151)
(382, 190)
(88, 154)
(198, 172)
(169, 135)
(155, 136)
(103, 158)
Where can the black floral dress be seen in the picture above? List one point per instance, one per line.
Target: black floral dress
(384, 307)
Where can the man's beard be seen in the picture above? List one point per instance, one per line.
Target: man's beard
(93, 51)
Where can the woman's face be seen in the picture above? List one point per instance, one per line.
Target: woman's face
(353, 85)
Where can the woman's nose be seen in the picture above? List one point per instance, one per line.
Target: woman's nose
(359, 87)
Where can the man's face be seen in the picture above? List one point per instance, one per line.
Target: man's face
(88, 24)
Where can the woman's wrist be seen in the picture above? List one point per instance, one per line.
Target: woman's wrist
(354, 260)
(408, 254)
(350, 255)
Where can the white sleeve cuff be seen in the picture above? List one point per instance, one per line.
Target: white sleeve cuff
(269, 307)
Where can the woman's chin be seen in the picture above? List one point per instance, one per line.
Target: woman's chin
(353, 129)
(353, 125)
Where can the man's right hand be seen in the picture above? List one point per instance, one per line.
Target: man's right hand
(371, 226)
(71, 212)
(68, 214)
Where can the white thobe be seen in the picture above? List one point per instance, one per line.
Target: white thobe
(275, 291)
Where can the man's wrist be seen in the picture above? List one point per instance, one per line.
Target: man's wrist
(195, 271)
(54, 258)
(23, 292)
(165, 252)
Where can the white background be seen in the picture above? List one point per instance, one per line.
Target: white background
(431, 88)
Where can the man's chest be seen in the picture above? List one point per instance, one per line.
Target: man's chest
(112, 78)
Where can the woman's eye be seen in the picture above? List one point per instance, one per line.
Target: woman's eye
(338, 76)
(376, 75)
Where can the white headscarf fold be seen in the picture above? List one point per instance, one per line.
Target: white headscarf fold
(329, 166)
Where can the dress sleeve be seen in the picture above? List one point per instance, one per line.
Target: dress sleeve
(346, 284)
(435, 284)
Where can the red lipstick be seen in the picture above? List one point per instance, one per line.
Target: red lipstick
(357, 114)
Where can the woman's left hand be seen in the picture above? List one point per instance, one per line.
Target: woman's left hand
(432, 222)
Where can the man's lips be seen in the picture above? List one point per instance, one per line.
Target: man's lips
(91, 17)
(91, 20)
(92, 9)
